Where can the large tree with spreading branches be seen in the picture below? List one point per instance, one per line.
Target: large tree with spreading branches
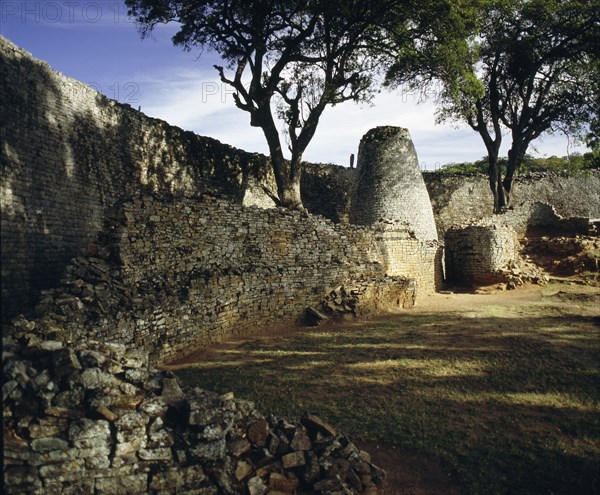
(529, 67)
(286, 60)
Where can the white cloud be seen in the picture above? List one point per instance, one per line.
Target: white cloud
(196, 100)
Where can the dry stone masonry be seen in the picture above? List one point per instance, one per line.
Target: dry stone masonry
(121, 229)
(481, 254)
(390, 195)
(172, 276)
(547, 200)
(390, 185)
(70, 156)
(95, 420)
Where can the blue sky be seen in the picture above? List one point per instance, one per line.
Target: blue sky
(95, 42)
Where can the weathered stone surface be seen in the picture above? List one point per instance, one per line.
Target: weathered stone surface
(151, 448)
(209, 450)
(293, 459)
(243, 470)
(256, 486)
(458, 198)
(479, 254)
(279, 482)
(390, 184)
(158, 277)
(258, 432)
(135, 483)
(317, 425)
(301, 441)
(49, 443)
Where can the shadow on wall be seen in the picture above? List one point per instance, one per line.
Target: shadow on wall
(39, 179)
(69, 155)
(544, 221)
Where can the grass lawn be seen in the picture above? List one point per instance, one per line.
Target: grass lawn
(505, 394)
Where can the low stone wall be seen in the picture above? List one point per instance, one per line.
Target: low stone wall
(417, 259)
(538, 199)
(95, 419)
(170, 276)
(478, 254)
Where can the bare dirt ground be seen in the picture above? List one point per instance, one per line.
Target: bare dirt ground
(411, 473)
(415, 474)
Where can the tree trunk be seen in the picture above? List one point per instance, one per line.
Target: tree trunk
(495, 180)
(290, 195)
(287, 177)
(516, 155)
(288, 181)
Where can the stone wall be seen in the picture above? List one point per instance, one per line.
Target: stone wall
(479, 254)
(95, 419)
(69, 155)
(169, 276)
(327, 190)
(390, 185)
(538, 200)
(390, 195)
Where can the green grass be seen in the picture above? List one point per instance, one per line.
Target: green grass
(506, 398)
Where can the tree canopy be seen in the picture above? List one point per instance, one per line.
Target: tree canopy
(286, 59)
(570, 164)
(525, 67)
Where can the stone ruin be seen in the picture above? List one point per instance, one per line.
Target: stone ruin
(390, 195)
(390, 187)
(185, 249)
(94, 419)
(485, 254)
(185, 252)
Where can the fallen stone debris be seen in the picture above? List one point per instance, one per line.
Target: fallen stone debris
(565, 255)
(521, 271)
(95, 419)
(367, 297)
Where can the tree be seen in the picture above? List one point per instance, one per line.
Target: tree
(285, 59)
(527, 69)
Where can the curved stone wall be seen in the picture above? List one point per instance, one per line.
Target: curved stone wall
(538, 199)
(477, 254)
(69, 155)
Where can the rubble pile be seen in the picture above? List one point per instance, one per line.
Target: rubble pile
(92, 296)
(95, 419)
(520, 271)
(565, 255)
(370, 296)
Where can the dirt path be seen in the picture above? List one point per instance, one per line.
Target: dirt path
(411, 473)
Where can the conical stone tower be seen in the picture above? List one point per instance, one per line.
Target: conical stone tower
(390, 185)
(391, 197)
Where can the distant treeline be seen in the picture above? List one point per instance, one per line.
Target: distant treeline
(570, 164)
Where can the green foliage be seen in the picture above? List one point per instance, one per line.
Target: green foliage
(285, 59)
(524, 66)
(565, 164)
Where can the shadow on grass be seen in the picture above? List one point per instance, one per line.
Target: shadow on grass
(512, 405)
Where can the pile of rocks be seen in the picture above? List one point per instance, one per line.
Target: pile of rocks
(565, 255)
(92, 296)
(521, 271)
(95, 419)
(370, 296)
